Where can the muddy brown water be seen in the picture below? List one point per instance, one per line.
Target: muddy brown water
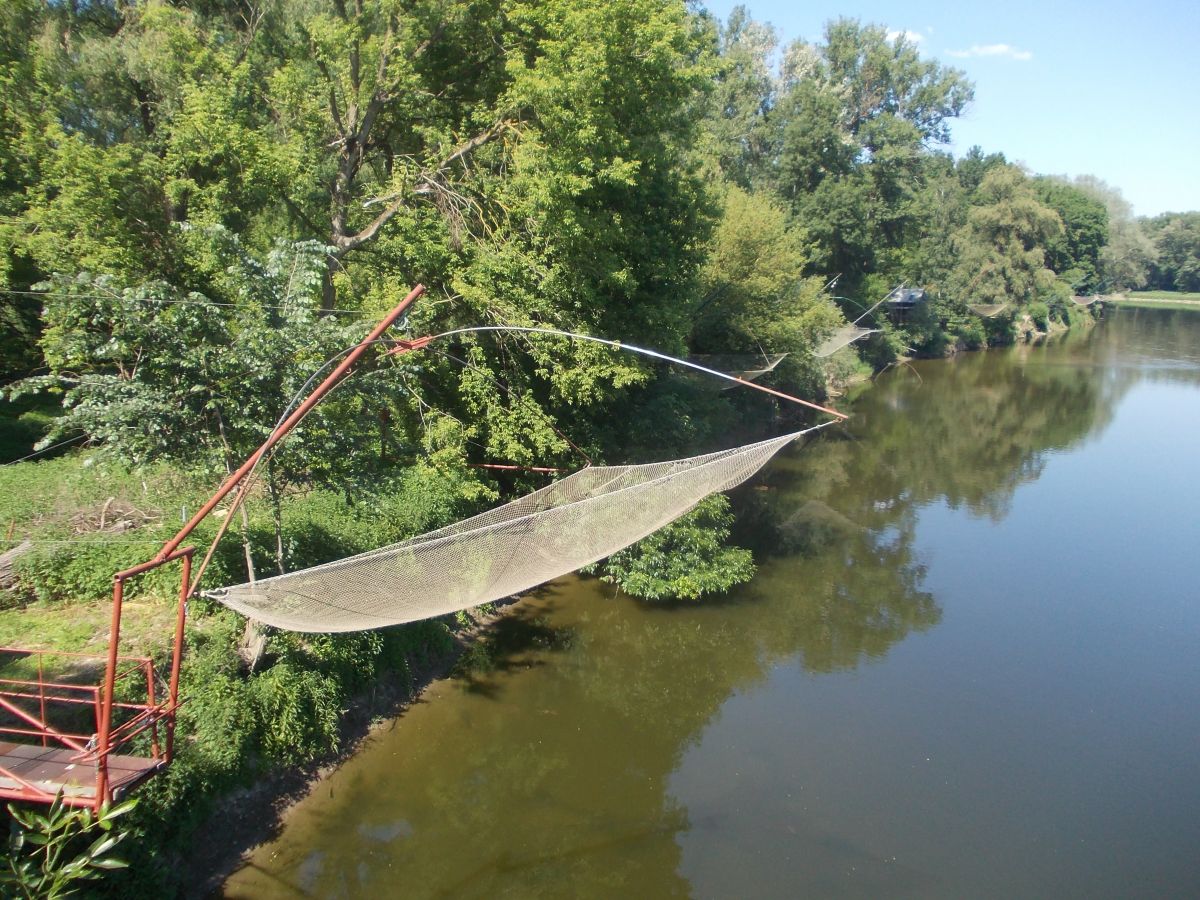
(969, 666)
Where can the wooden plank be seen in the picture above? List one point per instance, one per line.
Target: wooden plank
(50, 769)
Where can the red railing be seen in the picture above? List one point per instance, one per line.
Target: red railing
(51, 711)
(112, 730)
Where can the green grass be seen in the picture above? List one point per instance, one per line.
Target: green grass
(59, 504)
(1157, 300)
(58, 498)
(1185, 296)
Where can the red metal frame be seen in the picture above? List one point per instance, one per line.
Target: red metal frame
(110, 735)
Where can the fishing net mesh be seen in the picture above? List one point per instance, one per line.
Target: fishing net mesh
(569, 524)
(746, 366)
(843, 337)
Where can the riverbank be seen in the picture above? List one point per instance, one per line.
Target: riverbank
(1156, 300)
(251, 737)
(638, 750)
(272, 803)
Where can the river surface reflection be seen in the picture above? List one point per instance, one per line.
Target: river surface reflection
(968, 667)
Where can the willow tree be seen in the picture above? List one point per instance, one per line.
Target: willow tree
(1001, 249)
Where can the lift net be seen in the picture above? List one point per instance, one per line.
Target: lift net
(574, 522)
(843, 337)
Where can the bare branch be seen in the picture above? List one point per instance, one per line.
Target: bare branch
(429, 182)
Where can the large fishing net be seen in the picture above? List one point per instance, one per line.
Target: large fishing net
(569, 524)
(987, 311)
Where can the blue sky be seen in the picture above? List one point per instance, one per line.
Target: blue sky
(1101, 88)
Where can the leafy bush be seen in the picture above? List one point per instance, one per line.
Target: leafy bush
(83, 570)
(299, 710)
(47, 856)
(972, 335)
(685, 560)
(1000, 329)
(1040, 314)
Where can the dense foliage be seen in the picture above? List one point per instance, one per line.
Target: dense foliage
(1176, 262)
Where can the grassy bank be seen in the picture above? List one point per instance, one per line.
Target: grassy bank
(1157, 299)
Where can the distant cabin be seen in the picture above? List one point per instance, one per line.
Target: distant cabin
(902, 301)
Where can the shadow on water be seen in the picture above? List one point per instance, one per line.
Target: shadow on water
(544, 767)
(522, 639)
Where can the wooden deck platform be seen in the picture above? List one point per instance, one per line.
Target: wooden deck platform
(50, 769)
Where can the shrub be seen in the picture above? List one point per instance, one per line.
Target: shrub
(1040, 314)
(685, 560)
(47, 854)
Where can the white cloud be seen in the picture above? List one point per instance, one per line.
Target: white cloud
(913, 37)
(992, 50)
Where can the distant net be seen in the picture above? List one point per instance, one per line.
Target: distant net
(843, 337)
(574, 522)
(987, 311)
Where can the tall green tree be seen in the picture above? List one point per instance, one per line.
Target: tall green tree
(530, 161)
(755, 298)
(855, 122)
(1126, 258)
(1075, 255)
(1001, 249)
(737, 130)
(1176, 239)
(20, 25)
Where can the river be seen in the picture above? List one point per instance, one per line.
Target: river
(969, 666)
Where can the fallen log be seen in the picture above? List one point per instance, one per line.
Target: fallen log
(8, 569)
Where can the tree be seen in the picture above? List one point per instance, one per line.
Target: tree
(855, 123)
(737, 130)
(150, 372)
(972, 167)
(1075, 255)
(19, 24)
(530, 162)
(1126, 259)
(1001, 248)
(1176, 238)
(755, 298)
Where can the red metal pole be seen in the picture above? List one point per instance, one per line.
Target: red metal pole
(42, 694)
(177, 655)
(148, 670)
(106, 701)
(288, 424)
